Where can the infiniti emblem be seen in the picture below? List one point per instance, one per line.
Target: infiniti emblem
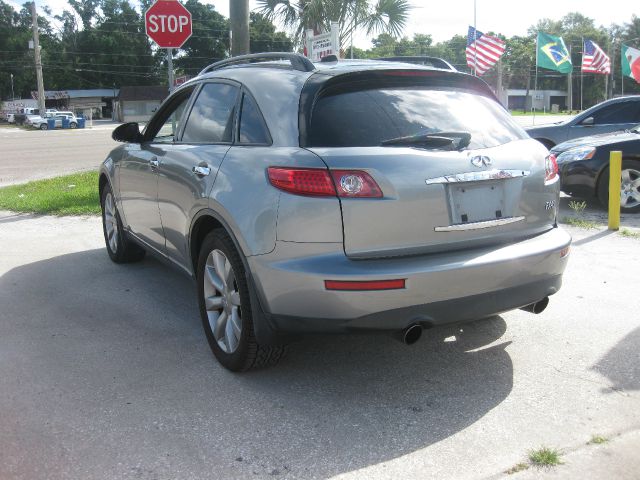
(480, 161)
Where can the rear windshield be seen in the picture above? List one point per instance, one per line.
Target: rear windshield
(366, 118)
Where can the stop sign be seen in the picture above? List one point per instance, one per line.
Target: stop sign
(168, 23)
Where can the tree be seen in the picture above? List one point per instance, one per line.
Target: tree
(209, 41)
(264, 38)
(388, 16)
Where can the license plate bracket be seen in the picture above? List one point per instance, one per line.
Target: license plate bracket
(471, 202)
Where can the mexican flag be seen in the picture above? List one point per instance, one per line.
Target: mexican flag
(552, 53)
(630, 62)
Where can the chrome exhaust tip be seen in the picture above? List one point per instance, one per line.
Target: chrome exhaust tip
(411, 334)
(537, 307)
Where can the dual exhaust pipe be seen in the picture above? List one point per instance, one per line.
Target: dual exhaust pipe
(412, 333)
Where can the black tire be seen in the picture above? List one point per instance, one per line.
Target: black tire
(603, 186)
(73, 125)
(123, 250)
(44, 126)
(248, 353)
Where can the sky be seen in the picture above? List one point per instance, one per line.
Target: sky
(508, 17)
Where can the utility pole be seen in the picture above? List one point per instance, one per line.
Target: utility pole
(36, 52)
(12, 95)
(239, 19)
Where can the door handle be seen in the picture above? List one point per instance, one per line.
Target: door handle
(201, 171)
(153, 163)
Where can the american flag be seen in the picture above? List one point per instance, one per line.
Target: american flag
(594, 60)
(483, 51)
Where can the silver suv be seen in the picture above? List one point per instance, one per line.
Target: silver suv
(336, 197)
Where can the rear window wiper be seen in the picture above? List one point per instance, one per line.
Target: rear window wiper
(433, 140)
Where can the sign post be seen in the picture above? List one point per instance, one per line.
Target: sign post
(168, 23)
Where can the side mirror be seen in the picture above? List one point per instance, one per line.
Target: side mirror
(587, 122)
(127, 132)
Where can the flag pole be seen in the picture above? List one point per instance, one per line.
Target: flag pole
(475, 33)
(535, 83)
(582, 75)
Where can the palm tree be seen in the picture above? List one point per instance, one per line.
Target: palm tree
(383, 16)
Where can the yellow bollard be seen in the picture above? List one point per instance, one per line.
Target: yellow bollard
(615, 178)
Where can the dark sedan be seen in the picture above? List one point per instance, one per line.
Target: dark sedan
(584, 166)
(609, 116)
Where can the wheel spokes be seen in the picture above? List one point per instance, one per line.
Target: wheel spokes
(222, 301)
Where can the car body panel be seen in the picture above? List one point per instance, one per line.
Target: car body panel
(138, 191)
(412, 209)
(575, 128)
(291, 278)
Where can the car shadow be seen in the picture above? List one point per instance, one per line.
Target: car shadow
(108, 368)
(621, 365)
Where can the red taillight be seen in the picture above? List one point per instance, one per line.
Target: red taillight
(365, 285)
(322, 183)
(302, 181)
(550, 168)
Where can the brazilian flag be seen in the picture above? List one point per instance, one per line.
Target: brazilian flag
(553, 54)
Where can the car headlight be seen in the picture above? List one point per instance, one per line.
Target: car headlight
(576, 153)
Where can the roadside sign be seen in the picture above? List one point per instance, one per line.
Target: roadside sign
(323, 44)
(168, 23)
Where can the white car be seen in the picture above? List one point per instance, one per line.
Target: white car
(11, 117)
(43, 124)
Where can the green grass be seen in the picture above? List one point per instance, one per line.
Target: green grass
(579, 222)
(519, 467)
(545, 457)
(625, 232)
(520, 113)
(598, 440)
(75, 194)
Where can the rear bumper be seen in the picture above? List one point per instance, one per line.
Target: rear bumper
(440, 288)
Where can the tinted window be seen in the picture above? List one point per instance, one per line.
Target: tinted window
(168, 123)
(366, 118)
(626, 112)
(211, 118)
(252, 128)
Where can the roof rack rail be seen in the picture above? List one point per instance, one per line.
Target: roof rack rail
(298, 62)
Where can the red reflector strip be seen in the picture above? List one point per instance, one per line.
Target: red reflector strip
(365, 285)
(564, 252)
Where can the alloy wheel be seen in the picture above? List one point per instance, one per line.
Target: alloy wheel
(630, 188)
(222, 301)
(110, 222)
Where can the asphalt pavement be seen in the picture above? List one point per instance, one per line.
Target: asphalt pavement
(34, 154)
(105, 373)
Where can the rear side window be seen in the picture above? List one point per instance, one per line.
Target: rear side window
(211, 118)
(627, 112)
(252, 127)
(368, 117)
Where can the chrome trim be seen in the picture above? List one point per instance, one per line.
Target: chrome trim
(461, 227)
(477, 176)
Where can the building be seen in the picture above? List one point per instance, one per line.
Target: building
(137, 104)
(540, 100)
(92, 103)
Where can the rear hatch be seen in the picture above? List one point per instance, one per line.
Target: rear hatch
(454, 169)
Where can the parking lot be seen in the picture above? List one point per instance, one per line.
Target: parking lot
(105, 371)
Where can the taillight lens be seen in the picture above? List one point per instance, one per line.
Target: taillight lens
(323, 183)
(302, 181)
(550, 168)
(355, 183)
